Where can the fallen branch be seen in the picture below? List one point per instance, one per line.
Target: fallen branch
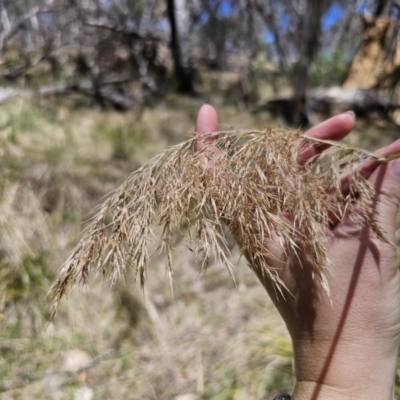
(366, 103)
(106, 24)
(363, 102)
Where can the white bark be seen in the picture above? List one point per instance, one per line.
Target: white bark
(5, 22)
(182, 16)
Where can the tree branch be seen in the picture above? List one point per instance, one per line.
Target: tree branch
(112, 27)
(17, 27)
(270, 21)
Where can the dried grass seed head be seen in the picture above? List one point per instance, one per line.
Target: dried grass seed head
(255, 181)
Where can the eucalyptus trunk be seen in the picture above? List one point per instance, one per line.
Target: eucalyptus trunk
(179, 19)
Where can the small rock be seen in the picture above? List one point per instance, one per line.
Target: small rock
(187, 396)
(84, 393)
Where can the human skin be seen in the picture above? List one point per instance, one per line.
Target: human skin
(346, 343)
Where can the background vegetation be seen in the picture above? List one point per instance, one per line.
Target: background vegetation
(91, 90)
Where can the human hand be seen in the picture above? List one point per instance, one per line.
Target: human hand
(345, 344)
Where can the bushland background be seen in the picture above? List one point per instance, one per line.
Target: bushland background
(92, 89)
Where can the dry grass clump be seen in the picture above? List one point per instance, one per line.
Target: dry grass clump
(254, 186)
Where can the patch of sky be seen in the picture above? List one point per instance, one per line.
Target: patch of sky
(269, 37)
(284, 22)
(163, 25)
(225, 8)
(203, 18)
(332, 15)
(45, 17)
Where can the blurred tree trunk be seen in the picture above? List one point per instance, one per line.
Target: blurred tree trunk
(309, 29)
(382, 7)
(178, 15)
(376, 65)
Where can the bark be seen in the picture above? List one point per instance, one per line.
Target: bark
(382, 7)
(310, 28)
(11, 31)
(180, 52)
(251, 12)
(345, 24)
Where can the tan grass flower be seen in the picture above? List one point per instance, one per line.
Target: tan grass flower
(255, 187)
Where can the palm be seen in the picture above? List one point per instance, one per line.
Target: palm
(363, 304)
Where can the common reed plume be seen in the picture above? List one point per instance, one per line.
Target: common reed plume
(255, 188)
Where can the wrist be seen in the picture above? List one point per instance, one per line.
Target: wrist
(313, 391)
(345, 371)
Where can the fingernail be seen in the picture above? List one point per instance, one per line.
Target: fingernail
(394, 168)
(352, 113)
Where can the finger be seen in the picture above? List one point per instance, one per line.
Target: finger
(207, 122)
(366, 170)
(335, 128)
(386, 180)
(371, 164)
